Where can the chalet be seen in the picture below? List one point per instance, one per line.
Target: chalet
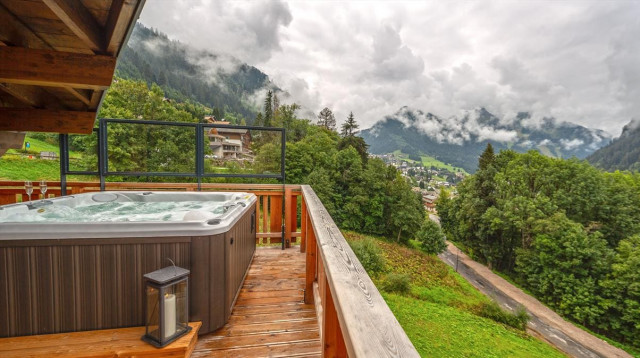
(229, 143)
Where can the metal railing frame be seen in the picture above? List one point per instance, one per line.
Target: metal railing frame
(103, 158)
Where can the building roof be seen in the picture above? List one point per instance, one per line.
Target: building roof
(57, 58)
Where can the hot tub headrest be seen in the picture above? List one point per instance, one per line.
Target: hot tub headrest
(104, 197)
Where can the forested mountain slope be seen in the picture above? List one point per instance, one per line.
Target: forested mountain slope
(215, 80)
(623, 153)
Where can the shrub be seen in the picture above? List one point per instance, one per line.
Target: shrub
(431, 238)
(397, 283)
(494, 312)
(369, 254)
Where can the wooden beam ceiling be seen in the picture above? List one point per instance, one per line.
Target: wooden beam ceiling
(56, 69)
(46, 120)
(57, 58)
(80, 21)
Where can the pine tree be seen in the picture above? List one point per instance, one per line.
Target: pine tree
(487, 158)
(349, 128)
(259, 120)
(327, 119)
(268, 109)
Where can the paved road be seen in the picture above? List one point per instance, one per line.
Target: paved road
(556, 337)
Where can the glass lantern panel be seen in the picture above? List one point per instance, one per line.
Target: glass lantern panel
(182, 298)
(153, 312)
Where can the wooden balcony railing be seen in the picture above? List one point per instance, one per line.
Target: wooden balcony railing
(269, 205)
(354, 319)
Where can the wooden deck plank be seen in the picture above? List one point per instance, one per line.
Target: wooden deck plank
(269, 319)
(121, 342)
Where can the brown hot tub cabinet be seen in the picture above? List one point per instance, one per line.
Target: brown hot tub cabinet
(90, 275)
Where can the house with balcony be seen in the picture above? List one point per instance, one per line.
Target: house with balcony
(229, 143)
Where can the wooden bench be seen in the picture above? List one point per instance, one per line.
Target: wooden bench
(121, 342)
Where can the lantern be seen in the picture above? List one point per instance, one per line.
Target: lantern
(166, 305)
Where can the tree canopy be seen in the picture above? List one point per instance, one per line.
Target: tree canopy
(563, 229)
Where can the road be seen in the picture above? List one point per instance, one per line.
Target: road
(544, 322)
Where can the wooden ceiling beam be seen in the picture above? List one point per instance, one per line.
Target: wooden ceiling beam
(16, 33)
(80, 94)
(117, 24)
(56, 69)
(31, 96)
(79, 20)
(46, 120)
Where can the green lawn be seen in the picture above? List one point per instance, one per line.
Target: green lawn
(442, 315)
(37, 146)
(428, 161)
(17, 168)
(439, 330)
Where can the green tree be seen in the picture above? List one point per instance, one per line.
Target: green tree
(268, 109)
(564, 267)
(623, 292)
(350, 127)
(431, 238)
(326, 119)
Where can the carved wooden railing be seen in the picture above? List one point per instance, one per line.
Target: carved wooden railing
(353, 318)
(269, 204)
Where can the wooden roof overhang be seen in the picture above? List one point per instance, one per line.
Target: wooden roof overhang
(57, 58)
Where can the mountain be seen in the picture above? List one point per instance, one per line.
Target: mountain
(460, 140)
(185, 73)
(622, 153)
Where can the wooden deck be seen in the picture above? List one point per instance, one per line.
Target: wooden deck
(108, 343)
(270, 318)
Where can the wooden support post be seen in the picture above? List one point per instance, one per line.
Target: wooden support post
(265, 211)
(332, 340)
(310, 273)
(293, 216)
(275, 215)
(287, 217)
(303, 227)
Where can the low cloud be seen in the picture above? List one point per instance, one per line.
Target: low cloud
(573, 61)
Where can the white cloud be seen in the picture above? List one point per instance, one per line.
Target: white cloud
(572, 60)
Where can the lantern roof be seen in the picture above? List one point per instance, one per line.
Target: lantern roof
(167, 274)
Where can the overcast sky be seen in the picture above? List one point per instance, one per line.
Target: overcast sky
(578, 61)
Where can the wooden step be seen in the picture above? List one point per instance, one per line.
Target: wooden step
(108, 343)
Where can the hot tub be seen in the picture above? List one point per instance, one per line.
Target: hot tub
(65, 267)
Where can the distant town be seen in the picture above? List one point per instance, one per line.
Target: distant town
(428, 181)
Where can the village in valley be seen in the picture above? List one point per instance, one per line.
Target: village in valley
(429, 181)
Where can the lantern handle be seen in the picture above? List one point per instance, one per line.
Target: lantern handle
(175, 270)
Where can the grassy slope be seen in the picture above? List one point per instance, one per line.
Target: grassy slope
(37, 146)
(440, 315)
(15, 168)
(428, 161)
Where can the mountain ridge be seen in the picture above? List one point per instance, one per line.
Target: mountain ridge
(623, 153)
(459, 140)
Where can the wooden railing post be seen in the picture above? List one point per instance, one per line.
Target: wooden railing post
(310, 276)
(287, 217)
(303, 227)
(275, 214)
(265, 211)
(332, 340)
